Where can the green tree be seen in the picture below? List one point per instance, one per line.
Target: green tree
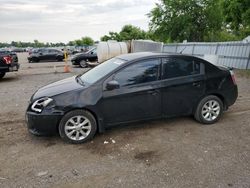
(237, 16)
(38, 44)
(82, 42)
(192, 20)
(78, 42)
(71, 43)
(112, 36)
(87, 41)
(128, 32)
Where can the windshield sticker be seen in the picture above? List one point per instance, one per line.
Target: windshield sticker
(119, 62)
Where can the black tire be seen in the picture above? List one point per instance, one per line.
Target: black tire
(83, 64)
(66, 122)
(35, 60)
(215, 114)
(2, 74)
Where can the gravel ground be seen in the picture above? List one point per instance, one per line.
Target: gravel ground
(170, 153)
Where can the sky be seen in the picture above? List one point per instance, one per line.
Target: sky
(65, 20)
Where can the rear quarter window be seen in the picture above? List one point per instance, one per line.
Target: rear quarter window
(178, 67)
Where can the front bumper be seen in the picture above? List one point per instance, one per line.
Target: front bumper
(232, 95)
(74, 62)
(42, 124)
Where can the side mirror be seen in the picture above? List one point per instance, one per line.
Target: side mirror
(40, 53)
(113, 84)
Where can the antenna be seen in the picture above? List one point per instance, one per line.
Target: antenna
(183, 49)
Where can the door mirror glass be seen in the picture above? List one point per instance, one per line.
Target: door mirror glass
(113, 84)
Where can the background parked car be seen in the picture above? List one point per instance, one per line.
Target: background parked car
(10, 53)
(18, 50)
(8, 62)
(81, 59)
(45, 54)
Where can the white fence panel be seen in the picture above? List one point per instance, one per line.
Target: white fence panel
(232, 54)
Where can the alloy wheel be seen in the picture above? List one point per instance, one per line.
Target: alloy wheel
(210, 110)
(77, 128)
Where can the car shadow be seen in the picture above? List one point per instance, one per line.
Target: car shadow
(8, 79)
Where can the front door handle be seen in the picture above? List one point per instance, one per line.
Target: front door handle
(196, 84)
(153, 92)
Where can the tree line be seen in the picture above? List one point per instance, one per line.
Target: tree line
(84, 41)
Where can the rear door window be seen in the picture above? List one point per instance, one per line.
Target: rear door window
(178, 67)
(44, 51)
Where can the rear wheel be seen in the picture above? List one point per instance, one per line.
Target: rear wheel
(77, 126)
(209, 110)
(2, 74)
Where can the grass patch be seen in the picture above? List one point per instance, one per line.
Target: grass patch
(243, 73)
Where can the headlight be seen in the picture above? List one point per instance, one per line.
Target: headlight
(40, 104)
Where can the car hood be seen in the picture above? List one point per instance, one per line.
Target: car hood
(56, 88)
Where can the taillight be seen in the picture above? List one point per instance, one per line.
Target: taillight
(233, 77)
(7, 59)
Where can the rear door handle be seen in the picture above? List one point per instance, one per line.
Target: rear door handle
(153, 92)
(196, 84)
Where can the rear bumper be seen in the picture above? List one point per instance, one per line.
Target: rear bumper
(232, 95)
(10, 68)
(42, 124)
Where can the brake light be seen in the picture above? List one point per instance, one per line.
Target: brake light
(7, 59)
(233, 77)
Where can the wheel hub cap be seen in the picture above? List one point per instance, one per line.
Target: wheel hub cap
(77, 128)
(211, 110)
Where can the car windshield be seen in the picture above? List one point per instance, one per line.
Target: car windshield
(91, 50)
(101, 70)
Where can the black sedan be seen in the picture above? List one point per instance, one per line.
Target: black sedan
(81, 59)
(45, 54)
(128, 88)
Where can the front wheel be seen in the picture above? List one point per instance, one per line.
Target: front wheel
(77, 126)
(36, 60)
(2, 74)
(83, 64)
(209, 110)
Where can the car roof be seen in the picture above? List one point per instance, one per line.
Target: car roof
(139, 55)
